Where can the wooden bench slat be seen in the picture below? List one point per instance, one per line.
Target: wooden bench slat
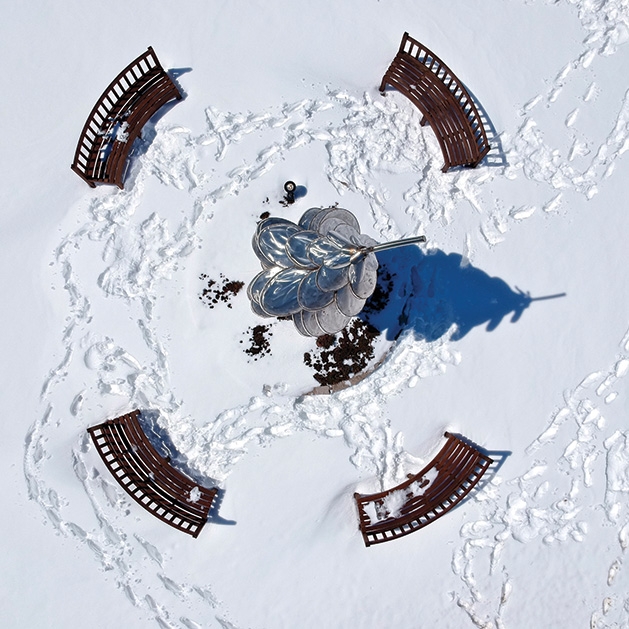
(443, 101)
(143, 85)
(147, 493)
(149, 478)
(171, 484)
(459, 466)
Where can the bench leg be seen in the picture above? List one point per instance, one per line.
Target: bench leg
(382, 87)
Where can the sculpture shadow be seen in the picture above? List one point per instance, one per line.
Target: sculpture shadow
(428, 293)
(300, 192)
(162, 442)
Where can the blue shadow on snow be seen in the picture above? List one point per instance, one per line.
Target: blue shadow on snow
(428, 293)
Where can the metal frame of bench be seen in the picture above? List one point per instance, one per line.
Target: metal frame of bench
(459, 467)
(116, 120)
(148, 477)
(443, 101)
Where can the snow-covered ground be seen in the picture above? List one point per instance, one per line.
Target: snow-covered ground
(102, 314)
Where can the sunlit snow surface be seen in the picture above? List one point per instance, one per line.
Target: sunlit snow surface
(285, 551)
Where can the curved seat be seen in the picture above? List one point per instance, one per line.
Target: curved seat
(425, 496)
(116, 120)
(443, 101)
(148, 477)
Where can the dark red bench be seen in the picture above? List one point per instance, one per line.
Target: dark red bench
(116, 120)
(425, 496)
(443, 101)
(148, 477)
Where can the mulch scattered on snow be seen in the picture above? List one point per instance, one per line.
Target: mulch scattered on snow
(221, 290)
(258, 341)
(341, 356)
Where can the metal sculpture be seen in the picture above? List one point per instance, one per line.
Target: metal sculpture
(320, 272)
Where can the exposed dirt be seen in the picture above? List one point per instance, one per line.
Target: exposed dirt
(259, 344)
(221, 290)
(341, 356)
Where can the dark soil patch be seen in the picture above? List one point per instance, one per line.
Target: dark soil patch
(221, 290)
(259, 344)
(341, 356)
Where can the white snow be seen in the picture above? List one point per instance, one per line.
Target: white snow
(101, 315)
(195, 494)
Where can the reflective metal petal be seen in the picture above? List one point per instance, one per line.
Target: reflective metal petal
(332, 279)
(297, 248)
(321, 249)
(310, 296)
(364, 241)
(363, 276)
(309, 323)
(299, 323)
(278, 298)
(259, 281)
(266, 264)
(318, 221)
(340, 260)
(332, 223)
(308, 215)
(255, 306)
(346, 232)
(271, 244)
(331, 319)
(348, 303)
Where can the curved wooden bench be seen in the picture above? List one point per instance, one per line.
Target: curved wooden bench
(148, 477)
(425, 496)
(116, 120)
(443, 101)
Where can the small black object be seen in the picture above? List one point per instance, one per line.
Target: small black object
(290, 187)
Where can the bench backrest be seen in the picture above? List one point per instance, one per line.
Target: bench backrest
(148, 477)
(103, 124)
(417, 53)
(424, 496)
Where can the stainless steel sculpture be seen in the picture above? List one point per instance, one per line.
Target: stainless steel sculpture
(320, 271)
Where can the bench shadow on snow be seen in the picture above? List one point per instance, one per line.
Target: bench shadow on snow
(161, 441)
(429, 293)
(498, 457)
(142, 143)
(496, 158)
